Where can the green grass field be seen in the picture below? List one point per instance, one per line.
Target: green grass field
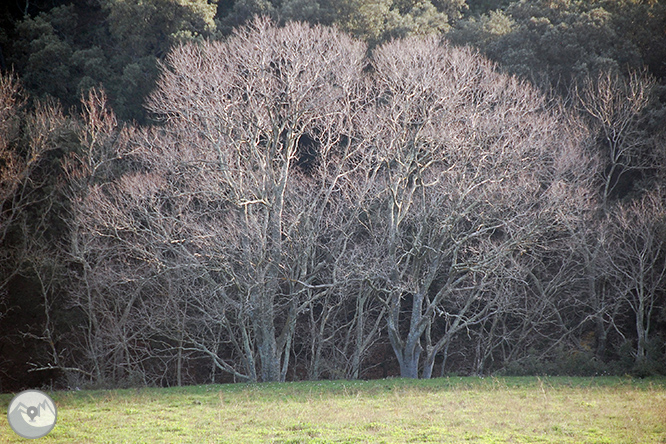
(450, 410)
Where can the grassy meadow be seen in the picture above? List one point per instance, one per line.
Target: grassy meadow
(449, 410)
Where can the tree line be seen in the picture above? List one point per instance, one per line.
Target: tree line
(62, 48)
(302, 203)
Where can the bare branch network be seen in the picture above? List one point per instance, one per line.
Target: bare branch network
(304, 209)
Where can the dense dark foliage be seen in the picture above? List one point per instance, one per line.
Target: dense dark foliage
(79, 304)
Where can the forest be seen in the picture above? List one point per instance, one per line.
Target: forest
(200, 191)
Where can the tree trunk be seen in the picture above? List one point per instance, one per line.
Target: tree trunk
(429, 364)
(409, 364)
(269, 360)
(641, 331)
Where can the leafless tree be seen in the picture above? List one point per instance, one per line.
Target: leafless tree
(561, 301)
(97, 256)
(28, 205)
(295, 204)
(25, 138)
(255, 129)
(344, 324)
(616, 105)
(12, 167)
(468, 169)
(638, 261)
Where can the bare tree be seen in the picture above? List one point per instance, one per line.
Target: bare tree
(29, 202)
(638, 261)
(344, 324)
(25, 138)
(561, 302)
(615, 105)
(256, 126)
(98, 257)
(468, 168)
(294, 201)
(13, 169)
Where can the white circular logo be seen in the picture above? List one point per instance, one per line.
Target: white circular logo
(32, 414)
